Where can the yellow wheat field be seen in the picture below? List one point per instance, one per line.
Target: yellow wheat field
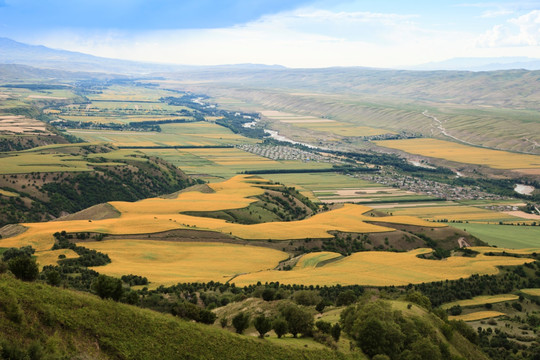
(450, 213)
(532, 292)
(463, 153)
(378, 268)
(44, 258)
(167, 262)
(160, 214)
(481, 300)
(479, 315)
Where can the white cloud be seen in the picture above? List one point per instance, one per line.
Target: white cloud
(495, 13)
(307, 37)
(520, 31)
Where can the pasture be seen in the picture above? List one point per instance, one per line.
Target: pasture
(464, 153)
(378, 268)
(481, 300)
(167, 262)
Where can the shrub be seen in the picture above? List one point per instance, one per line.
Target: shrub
(262, 324)
(280, 327)
(107, 287)
(24, 268)
(240, 322)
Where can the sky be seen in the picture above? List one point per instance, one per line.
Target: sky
(293, 33)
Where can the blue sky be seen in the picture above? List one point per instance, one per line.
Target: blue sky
(294, 33)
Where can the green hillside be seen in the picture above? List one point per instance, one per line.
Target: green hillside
(53, 323)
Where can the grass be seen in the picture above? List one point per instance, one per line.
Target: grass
(464, 153)
(479, 315)
(69, 324)
(380, 268)
(167, 262)
(343, 129)
(507, 236)
(481, 300)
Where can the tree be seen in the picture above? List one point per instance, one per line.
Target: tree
(280, 327)
(320, 306)
(24, 268)
(262, 324)
(324, 326)
(240, 322)
(298, 319)
(418, 298)
(53, 277)
(107, 287)
(268, 294)
(336, 332)
(307, 297)
(346, 298)
(12, 253)
(207, 317)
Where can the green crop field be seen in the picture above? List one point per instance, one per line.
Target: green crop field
(508, 236)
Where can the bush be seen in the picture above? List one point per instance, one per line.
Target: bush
(107, 287)
(224, 322)
(307, 297)
(324, 326)
(346, 298)
(455, 310)
(280, 327)
(262, 324)
(240, 322)
(298, 319)
(268, 294)
(12, 253)
(336, 332)
(24, 268)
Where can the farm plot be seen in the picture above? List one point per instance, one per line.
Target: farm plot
(161, 214)
(26, 162)
(167, 262)
(478, 315)
(508, 236)
(20, 125)
(481, 300)
(532, 292)
(378, 268)
(215, 164)
(464, 153)
(323, 125)
(454, 213)
(183, 134)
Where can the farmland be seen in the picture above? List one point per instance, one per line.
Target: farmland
(478, 315)
(482, 300)
(506, 235)
(169, 262)
(464, 153)
(384, 269)
(184, 134)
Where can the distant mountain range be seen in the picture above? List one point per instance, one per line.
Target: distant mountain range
(13, 52)
(482, 64)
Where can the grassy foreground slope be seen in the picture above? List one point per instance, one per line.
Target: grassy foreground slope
(38, 318)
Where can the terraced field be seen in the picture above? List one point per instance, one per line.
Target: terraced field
(464, 153)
